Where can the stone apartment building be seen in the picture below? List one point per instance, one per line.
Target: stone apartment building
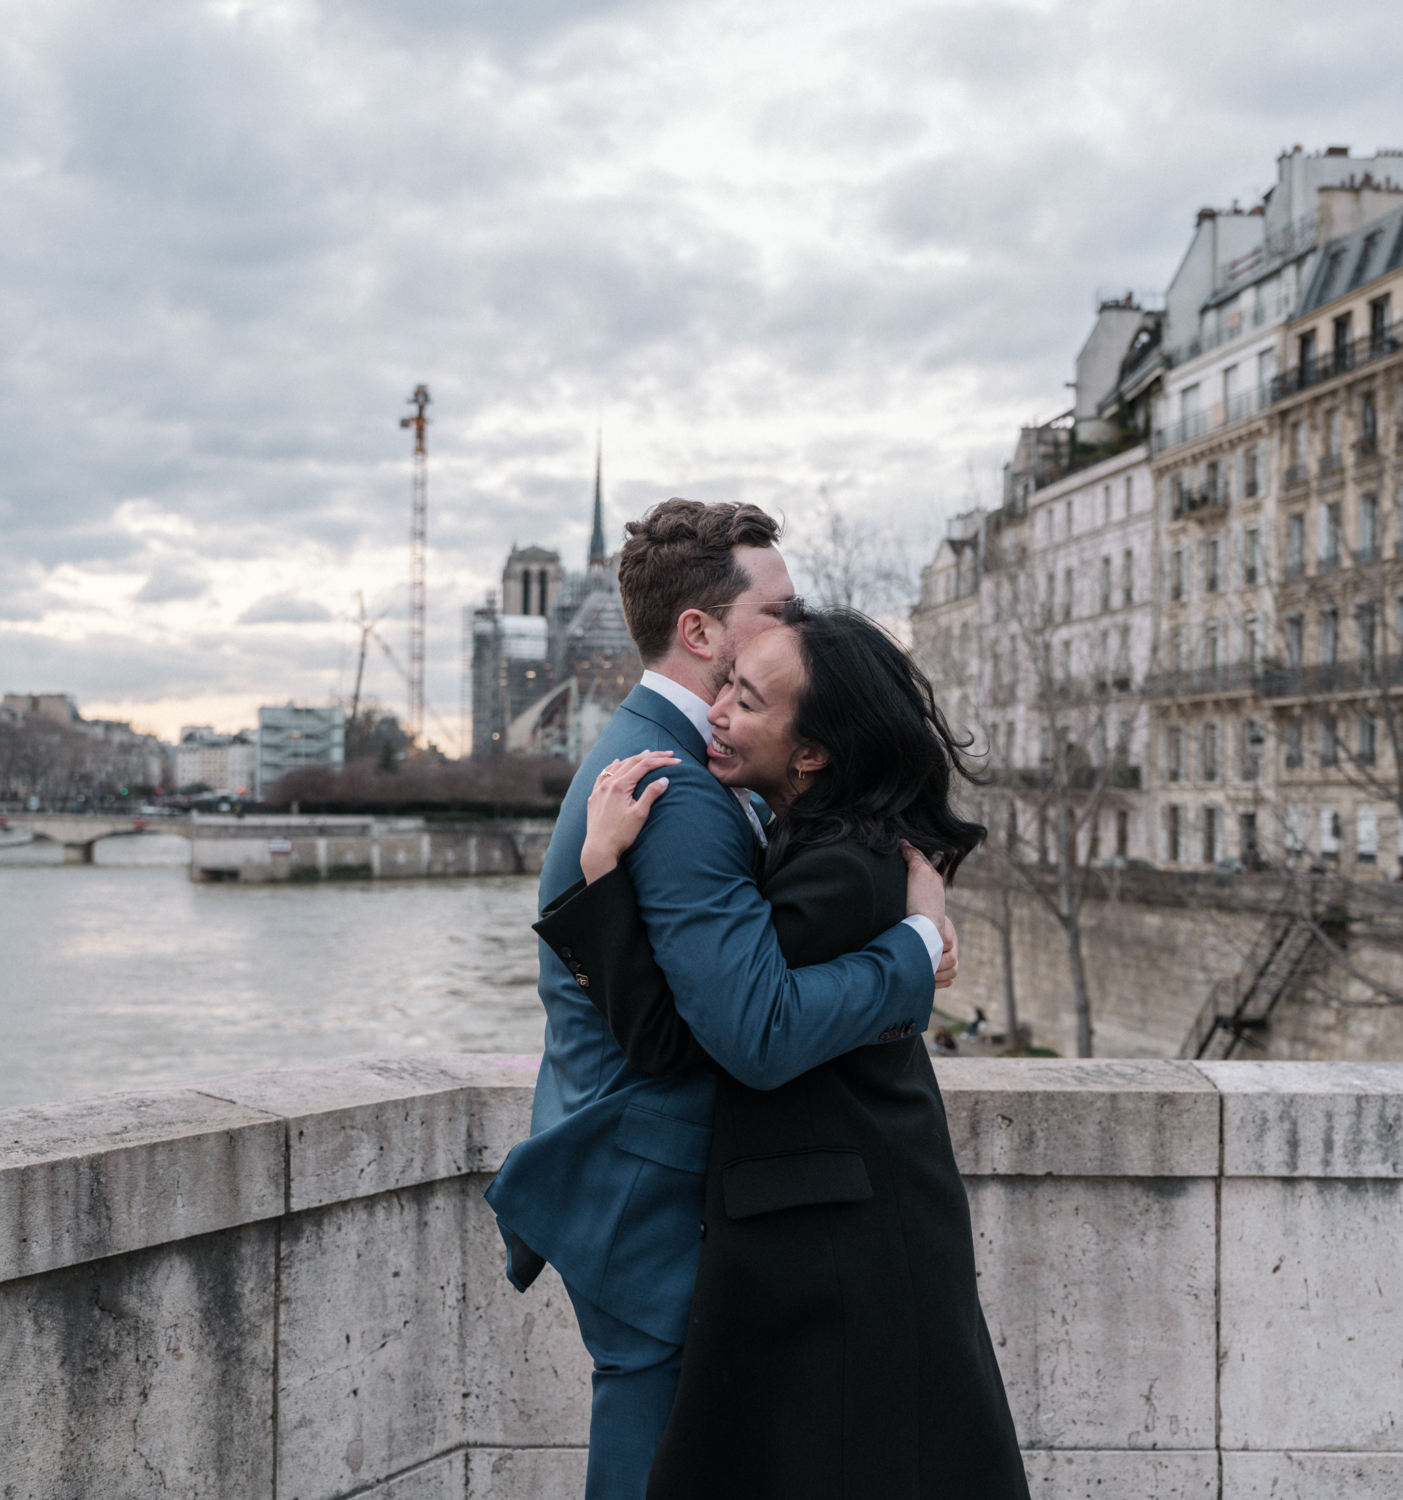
(1227, 767)
(1232, 585)
(1052, 592)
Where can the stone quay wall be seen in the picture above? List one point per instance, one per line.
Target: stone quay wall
(264, 847)
(287, 1285)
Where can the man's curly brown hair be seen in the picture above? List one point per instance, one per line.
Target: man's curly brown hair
(681, 556)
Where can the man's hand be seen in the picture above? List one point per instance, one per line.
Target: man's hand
(949, 967)
(925, 890)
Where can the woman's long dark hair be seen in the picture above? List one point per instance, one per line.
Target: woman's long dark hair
(891, 755)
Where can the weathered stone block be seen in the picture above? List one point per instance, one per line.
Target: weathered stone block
(1312, 1296)
(1097, 1118)
(143, 1374)
(1288, 1119)
(371, 1356)
(441, 1479)
(527, 1473)
(528, 1372)
(1312, 1476)
(1099, 1295)
(119, 1172)
(364, 1126)
(1121, 1475)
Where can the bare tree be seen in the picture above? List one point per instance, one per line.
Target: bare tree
(1086, 709)
(856, 564)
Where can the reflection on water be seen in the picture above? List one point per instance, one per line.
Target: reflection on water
(118, 976)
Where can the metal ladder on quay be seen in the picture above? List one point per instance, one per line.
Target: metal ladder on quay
(1244, 1001)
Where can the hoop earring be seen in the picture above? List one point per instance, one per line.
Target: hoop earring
(802, 774)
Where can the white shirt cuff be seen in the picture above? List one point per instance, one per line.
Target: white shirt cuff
(929, 935)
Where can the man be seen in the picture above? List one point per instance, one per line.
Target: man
(609, 1188)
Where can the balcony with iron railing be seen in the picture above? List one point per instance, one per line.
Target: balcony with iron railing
(1206, 504)
(1337, 361)
(1325, 678)
(1200, 682)
(1197, 424)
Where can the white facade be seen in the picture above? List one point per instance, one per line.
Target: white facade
(222, 762)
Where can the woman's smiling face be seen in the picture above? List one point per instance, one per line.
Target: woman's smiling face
(751, 744)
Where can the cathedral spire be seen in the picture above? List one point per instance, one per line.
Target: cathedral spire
(597, 555)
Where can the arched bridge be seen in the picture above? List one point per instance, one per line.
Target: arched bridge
(78, 832)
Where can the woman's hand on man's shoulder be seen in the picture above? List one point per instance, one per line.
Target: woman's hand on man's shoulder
(615, 816)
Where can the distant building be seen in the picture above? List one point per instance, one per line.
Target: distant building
(222, 762)
(291, 737)
(553, 664)
(56, 706)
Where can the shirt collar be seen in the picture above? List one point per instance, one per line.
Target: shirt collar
(684, 700)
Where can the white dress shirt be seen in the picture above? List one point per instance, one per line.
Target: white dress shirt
(695, 709)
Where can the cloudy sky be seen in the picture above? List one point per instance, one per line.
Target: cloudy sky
(781, 249)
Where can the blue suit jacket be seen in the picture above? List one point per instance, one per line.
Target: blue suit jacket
(609, 1188)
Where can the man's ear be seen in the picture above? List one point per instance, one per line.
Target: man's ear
(694, 627)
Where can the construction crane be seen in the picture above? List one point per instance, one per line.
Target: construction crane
(418, 536)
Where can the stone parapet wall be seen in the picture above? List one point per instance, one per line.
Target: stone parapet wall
(287, 1284)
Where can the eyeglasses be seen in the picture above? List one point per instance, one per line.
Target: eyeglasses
(795, 602)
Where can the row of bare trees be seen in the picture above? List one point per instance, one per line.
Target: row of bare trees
(64, 764)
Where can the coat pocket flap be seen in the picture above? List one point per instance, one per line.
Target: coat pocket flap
(663, 1138)
(764, 1184)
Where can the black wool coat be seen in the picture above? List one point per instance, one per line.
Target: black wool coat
(836, 1349)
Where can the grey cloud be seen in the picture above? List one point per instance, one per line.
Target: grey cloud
(285, 609)
(170, 581)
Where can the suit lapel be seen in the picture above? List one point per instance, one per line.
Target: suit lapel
(653, 706)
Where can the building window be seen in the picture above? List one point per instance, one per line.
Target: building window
(1295, 832)
(1251, 554)
(1174, 754)
(1330, 637)
(1294, 629)
(1176, 574)
(1210, 647)
(1330, 529)
(1295, 545)
(1122, 833)
(1247, 834)
(1177, 651)
(1368, 739)
(1251, 643)
(1368, 425)
(1127, 577)
(1106, 503)
(1069, 518)
(1129, 493)
(1172, 819)
(1105, 584)
(1379, 326)
(1209, 752)
(998, 599)
(1249, 471)
(1329, 740)
(1295, 755)
(1367, 627)
(1210, 835)
(1329, 834)
(1066, 663)
(1369, 528)
(1250, 756)
(1211, 552)
(1067, 592)
(1366, 835)
(1344, 340)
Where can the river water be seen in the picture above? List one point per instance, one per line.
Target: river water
(123, 973)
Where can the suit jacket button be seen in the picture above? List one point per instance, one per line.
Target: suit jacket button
(567, 953)
(582, 980)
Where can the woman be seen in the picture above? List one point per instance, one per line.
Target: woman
(837, 1349)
